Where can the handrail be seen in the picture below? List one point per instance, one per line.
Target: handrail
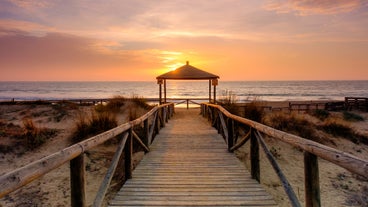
(340, 158)
(14, 180)
(311, 149)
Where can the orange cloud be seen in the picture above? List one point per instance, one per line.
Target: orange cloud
(9, 27)
(313, 7)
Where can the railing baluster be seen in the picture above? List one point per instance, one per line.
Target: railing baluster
(285, 183)
(230, 134)
(153, 127)
(146, 133)
(163, 115)
(254, 156)
(77, 181)
(158, 124)
(128, 155)
(311, 180)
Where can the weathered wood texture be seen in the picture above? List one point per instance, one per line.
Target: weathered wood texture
(189, 165)
(77, 181)
(350, 162)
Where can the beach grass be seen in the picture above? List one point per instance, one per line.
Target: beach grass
(35, 136)
(95, 123)
(349, 116)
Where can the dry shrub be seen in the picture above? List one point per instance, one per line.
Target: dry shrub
(116, 103)
(229, 102)
(320, 114)
(35, 136)
(293, 123)
(141, 102)
(92, 125)
(112, 106)
(349, 116)
(133, 114)
(254, 111)
(62, 109)
(340, 128)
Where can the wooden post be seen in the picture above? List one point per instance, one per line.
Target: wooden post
(311, 180)
(160, 93)
(128, 155)
(167, 112)
(164, 90)
(163, 114)
(157, 127)
(187, 103)
(214, 94)
(209, 91)
(77, 181)
(146, 133)
(230, 133)
(254, 156)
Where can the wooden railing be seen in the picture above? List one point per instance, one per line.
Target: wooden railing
(228, 125)
(358, 103)
(152, 122)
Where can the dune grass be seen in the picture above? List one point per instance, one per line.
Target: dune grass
(292, 123)
(141, 102)
(104, 116)
(320, 114)
(88, 126)
(340, 128)
(35, 136)
(349, 116)
(254, 111)
(229, 102)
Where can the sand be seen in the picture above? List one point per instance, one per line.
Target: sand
(338, 186)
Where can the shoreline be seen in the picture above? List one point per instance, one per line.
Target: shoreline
(291, 105)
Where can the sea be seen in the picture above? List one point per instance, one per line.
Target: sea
(242, 91)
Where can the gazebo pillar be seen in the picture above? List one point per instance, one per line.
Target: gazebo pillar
(209, 90)
(165, 91)
(159, 82)
(214, 83)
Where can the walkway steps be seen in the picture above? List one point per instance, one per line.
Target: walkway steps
(189, 165)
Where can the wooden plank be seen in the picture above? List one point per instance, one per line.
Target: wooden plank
(138, 190)
(170, 197)
(191, 193)
(268, 202)
(187, 169)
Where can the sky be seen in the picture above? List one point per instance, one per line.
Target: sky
(126, 40)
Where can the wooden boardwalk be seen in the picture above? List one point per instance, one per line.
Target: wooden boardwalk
(189, 165)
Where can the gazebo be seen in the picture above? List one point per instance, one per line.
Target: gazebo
(188, 72)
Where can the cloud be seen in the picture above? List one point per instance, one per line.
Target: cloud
(58, 56)
(31, 4)
(9, 27)
(313, 7)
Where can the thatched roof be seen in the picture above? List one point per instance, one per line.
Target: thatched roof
(187, 72)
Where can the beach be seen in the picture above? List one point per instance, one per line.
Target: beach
(338, 186)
